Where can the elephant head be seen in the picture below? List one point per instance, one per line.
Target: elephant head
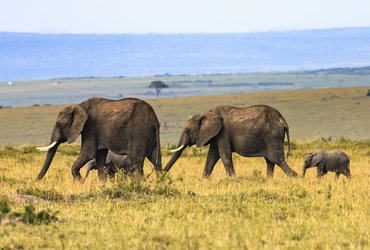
(69, 124)
(313, 159)
(199, 130)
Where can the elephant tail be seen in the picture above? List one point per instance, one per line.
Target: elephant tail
(288, 138)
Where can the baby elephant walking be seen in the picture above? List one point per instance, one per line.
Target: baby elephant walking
(333, 161)
(114, 162)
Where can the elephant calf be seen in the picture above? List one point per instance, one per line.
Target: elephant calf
(334, 161)
(114, 162)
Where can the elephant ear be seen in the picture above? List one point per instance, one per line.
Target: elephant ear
(316, 158)
(210, 126)
(79, 117)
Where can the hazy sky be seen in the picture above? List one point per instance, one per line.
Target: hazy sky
(174, 16)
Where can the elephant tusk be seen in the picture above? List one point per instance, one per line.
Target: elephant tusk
(46, 148)
(177, 149)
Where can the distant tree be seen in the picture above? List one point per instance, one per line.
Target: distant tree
(158, 86)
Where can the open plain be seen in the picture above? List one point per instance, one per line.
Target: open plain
(310, 113)
(184, 210)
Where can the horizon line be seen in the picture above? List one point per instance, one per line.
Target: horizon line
(67, 78)
(188, 33)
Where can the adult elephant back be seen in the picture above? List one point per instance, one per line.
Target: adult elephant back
(250, 131)
(125, 127)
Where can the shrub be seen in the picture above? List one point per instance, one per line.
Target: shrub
(4, 206)
(43, 217)
(8, 151)
(8, 180)
(29, 216)
(29, 150)
(125, 186)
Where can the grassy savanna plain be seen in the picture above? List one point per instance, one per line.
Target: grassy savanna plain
(185, 211)
(61, 91)
(310, 113)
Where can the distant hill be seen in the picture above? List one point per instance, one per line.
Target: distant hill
(345, 70)
(27, 56)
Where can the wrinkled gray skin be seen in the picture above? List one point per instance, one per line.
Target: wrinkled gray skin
(251, 131)
(328, 161)
(113, 164)
(126, 127)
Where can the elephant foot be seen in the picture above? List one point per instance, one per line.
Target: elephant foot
(295, 175)
(78, 178)
(160, 175)
(206, 174)
(104, 179)
(102, 176)
(288, 171)
(233, 175)
(39, 178)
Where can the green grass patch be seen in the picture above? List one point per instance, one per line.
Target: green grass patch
(49, 195)
(28, 216)
(127, 186)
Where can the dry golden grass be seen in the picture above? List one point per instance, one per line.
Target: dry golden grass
(187, 211)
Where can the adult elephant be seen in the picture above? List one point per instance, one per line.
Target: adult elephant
(126, 127)
(250, 131)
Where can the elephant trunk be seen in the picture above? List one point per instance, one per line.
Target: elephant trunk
(48, 160)
(304, 170)
(182, 144)
(173, 159)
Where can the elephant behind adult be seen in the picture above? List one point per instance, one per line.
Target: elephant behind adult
(114, 163)
(250, 131)
(127, 126)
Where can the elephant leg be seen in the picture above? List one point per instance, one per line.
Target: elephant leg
(153, 159)
(81, 160)
(138, 165)
(287, 170)
(320, 172)
(270, 167)
(128, 166)
(111, 170)
(347, 173)
(227, 160)
(100, 159)
(212, 157)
